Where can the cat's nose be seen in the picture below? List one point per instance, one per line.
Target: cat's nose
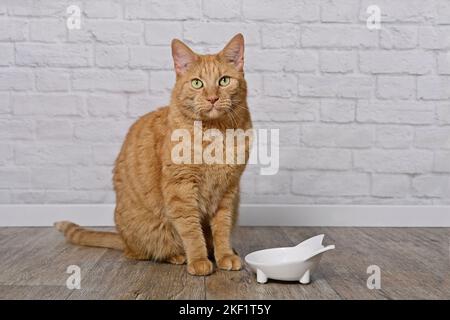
(212, 99)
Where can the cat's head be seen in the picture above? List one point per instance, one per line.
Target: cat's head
(209, 86)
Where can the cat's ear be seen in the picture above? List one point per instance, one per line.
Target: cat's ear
(182, 55)
(234, 51)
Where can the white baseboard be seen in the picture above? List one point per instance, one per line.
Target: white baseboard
(250, 215)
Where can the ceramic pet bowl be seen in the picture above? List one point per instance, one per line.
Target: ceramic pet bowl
(288, 264)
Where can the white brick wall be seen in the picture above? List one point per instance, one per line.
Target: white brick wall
(364, 116)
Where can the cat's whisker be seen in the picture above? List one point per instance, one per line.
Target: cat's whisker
(231, 116)
(235, 116)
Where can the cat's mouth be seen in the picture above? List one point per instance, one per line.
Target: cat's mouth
(214, 111)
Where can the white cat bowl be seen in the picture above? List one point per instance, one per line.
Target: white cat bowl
(288, 264)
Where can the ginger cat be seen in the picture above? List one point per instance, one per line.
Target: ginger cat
(180, 213)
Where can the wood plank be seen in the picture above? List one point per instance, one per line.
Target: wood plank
(43, 260)
(413, 261)
(343, 268)
(18, 252)
(12, 292)
(410, 266)
(10, 236)
(242, 284)
(116, 277)
(414, 264)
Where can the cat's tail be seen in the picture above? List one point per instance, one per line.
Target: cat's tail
(84, 237)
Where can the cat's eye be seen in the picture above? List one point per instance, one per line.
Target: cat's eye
(224, 81)
(196, 83)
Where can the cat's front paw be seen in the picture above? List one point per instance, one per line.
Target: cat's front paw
(201, 267)
(229, 262)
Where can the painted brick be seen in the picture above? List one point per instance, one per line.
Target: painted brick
(433, 88)
(390, 185)
(50, 178)
(50, 105)
(342, 111)
(430, 185)
(311, 158)
(408, 112)
(162, 81)
(6, 54)
(339, 10)
(394, 137)
(6, 154)
(140, 104)
(108, 80)
(101, 9)
(398, 37)
(107, 105)
(254, 84)
(91, 178)
(16, 129)
(337, 136)
(430, 138)
(400, 10)
(273, 184)
(151, 58)
(396, 87)
(335, 86)
(284, 110)
(54, 130)
(214, 33)
(434, 37)
(45, 8)
(161, 33)
(338, 61)
(116, 32)
(393, 161)
(363, 115)
(443, 63)
(171, 10)
(410, 62)
(52, 55)
(289, 10)
(280, 85)
(111, 56)
(280, 35)
(27, 197)
(52, 154)
(14, 177)
(301, 61)
(13, 30)
(441, 161)
(218, 9)
(101, 131)
(443, 11)
(16, 80)
(330, 184)
(327, 36)
(105, 154)
(4, 103)
(52, 80)
(47, 30)
(443, 113)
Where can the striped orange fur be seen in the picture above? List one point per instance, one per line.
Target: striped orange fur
(180, 212)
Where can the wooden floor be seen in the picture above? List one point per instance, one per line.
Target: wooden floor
(414, 263)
